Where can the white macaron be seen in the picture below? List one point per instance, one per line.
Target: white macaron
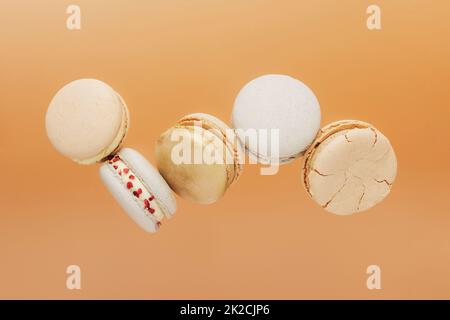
(139, 189)
(276, 102)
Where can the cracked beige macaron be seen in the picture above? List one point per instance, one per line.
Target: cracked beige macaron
(199, 157)
(350, 167)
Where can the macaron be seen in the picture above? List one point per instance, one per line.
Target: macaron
(87, 121)
(349, 168)
(200, 157)
(279, 102)
(138, 188)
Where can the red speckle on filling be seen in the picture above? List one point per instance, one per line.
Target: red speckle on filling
(138, 192)
(129, 185)
(158, 224)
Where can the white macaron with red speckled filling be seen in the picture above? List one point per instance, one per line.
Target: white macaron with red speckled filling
(139, 189)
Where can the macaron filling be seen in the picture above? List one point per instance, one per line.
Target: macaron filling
(268, 160)
(136, 187)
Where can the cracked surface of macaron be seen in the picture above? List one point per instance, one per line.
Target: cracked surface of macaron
(206, 180)
(350, 167)
(87, 121)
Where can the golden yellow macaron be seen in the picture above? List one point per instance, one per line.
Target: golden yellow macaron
(199, 157)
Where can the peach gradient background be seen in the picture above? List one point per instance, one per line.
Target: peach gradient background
(265, 238)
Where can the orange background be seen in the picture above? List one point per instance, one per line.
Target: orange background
(265, 238)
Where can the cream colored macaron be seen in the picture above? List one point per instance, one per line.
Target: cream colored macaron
(87, 121)
(199, 157)
(350, 167)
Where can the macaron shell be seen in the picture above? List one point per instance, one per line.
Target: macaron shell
(335, 127)
(325, 132)
(278, 102)
(351, 170)
(197, 182)
(125, 199)
(152, 179)
(204, 116)
(86, 120)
